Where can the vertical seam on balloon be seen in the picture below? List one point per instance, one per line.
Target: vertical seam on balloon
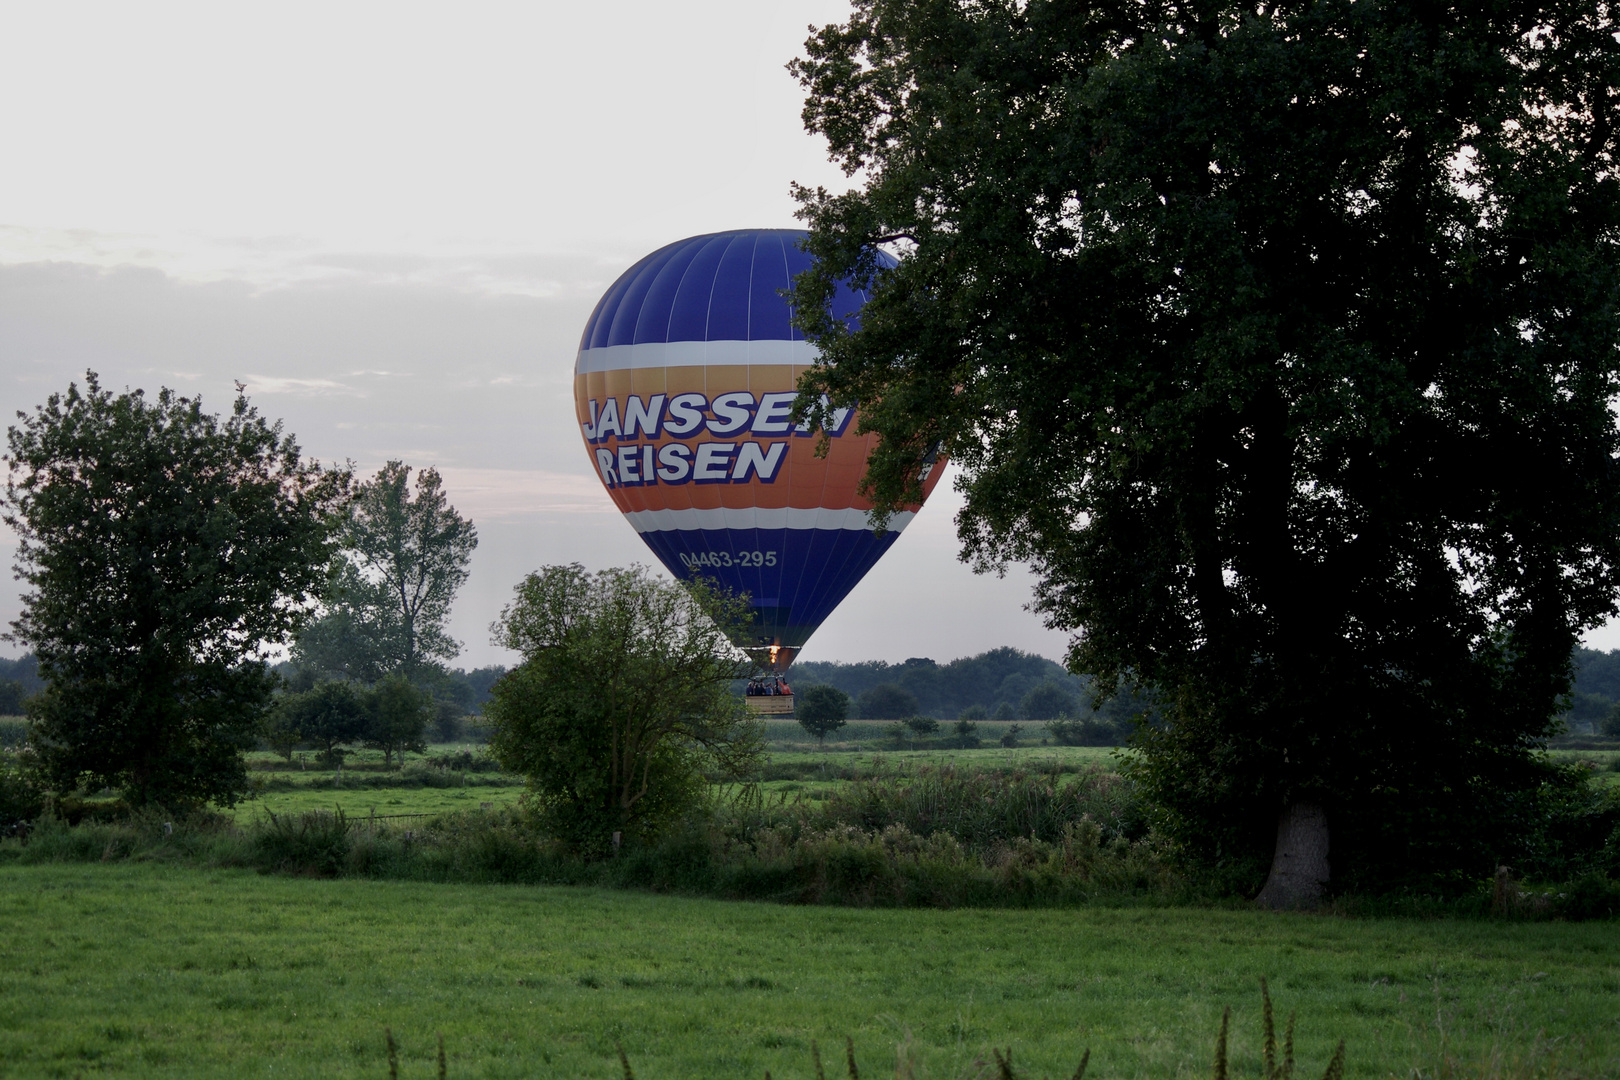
(692, 246)
(837, 575)
(650, 267)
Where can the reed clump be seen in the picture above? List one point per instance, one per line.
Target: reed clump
(1000, 1063)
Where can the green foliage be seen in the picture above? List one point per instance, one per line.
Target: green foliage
(821, 710)
(1004, 713)
(1611, 721)
(163, 549)
(1047, 701)
(25, 670)
(1088, 732)
(311, 843)
(1588, 709)
(281, 731)
(623, 700)
(966, 733)
(12, 696)
(887, 701)
(447, 721)
(404, 557)
(1009, 736)
(330, 715)
(921, 725)
(944, 690)
(396, 717)
(974, 712)
(22, 796)
(1282, 343)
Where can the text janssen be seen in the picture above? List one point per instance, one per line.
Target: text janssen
(737, 413)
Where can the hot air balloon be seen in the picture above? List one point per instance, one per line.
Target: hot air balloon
(684, 385)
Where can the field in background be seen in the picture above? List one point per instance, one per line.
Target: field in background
(146, 970)
(798, 767)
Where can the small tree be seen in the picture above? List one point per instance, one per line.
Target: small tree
(966, 733)
(1009, 736)
(822, 710)
(623, 701)
(922, 725)
(281, 729)
(396, 718)
(164, 550)
(330, 716)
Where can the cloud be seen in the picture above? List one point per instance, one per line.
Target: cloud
(513, 493)
(273, 384)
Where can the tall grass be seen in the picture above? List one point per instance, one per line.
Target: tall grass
(1000, 1063)
(933, 837)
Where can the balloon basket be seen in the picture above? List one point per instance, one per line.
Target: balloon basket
(776, 705)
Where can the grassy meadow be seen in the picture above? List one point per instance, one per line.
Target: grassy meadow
(149, 970)
(142, 966)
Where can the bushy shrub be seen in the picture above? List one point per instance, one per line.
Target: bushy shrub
(966, 734)
(1009, 736)
(1088, 732)
(1590, 896)
(314, 843)
(984, 808)
(465, 760)
(921, 725)
(22, 796)
(622, 704)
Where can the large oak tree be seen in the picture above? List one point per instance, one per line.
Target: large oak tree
(1281, 340)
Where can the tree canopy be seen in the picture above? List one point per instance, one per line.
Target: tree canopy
(821, 710)
(404, 558)
(164, 550)
(623, 701)
(1281, 341)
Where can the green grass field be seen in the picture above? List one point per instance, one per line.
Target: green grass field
(135, 970)
(383, 802)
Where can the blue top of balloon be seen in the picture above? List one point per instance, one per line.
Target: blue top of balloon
(719, 287)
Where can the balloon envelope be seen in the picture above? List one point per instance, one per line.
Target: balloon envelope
(683, 385)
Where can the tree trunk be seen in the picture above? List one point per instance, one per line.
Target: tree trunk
(1299, 869)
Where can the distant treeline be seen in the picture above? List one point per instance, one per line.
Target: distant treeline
(19, 680)
(1006, 683)
(466, 689)
(1000, 682)
(1597, 689)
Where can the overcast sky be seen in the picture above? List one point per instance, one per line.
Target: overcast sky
(392, 221)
